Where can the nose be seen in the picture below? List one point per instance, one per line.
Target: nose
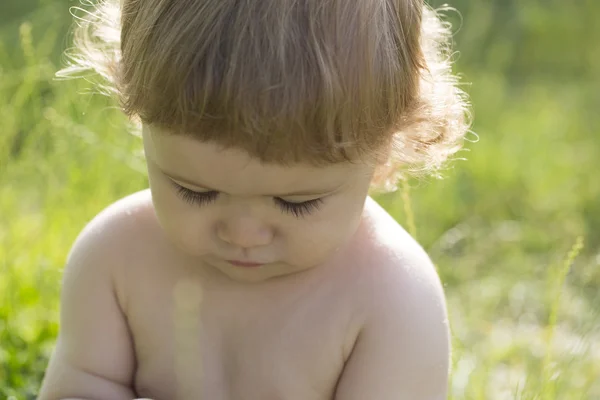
(245, 232)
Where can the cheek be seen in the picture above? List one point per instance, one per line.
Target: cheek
(187, 227)
(317, 240)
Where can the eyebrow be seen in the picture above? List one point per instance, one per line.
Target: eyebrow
(313, 192)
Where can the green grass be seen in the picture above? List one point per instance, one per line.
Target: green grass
(514, 230)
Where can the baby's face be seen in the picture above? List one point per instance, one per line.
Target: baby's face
(225, 208)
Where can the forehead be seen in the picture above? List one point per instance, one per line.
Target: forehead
(234, 171)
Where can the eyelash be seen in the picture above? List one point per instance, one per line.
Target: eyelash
(298, 210)
(196, 198)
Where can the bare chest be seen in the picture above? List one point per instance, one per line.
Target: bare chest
(194, 341)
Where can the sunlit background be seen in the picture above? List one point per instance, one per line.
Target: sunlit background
(514, 228)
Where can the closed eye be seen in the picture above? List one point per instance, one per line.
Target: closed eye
(196, 198)
(299, 210)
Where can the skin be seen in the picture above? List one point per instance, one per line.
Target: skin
(346, 306)
(244, 222)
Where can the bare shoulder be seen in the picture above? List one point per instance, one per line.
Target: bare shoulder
(393, 260)
(402, 350)
(401, 279)
(114, 225)
(116, 240)
(119, 231)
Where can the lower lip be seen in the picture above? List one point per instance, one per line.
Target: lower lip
(244, 264)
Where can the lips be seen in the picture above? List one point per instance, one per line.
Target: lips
(244, 264)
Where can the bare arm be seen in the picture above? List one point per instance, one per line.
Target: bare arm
(93, 358)
(403, 350)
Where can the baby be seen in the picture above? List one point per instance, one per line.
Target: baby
(256, 266)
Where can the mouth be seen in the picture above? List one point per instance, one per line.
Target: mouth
(244, 264)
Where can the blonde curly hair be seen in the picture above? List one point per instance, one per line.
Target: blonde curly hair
(317, 81)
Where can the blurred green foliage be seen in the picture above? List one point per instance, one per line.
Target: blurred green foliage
(499, 226)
